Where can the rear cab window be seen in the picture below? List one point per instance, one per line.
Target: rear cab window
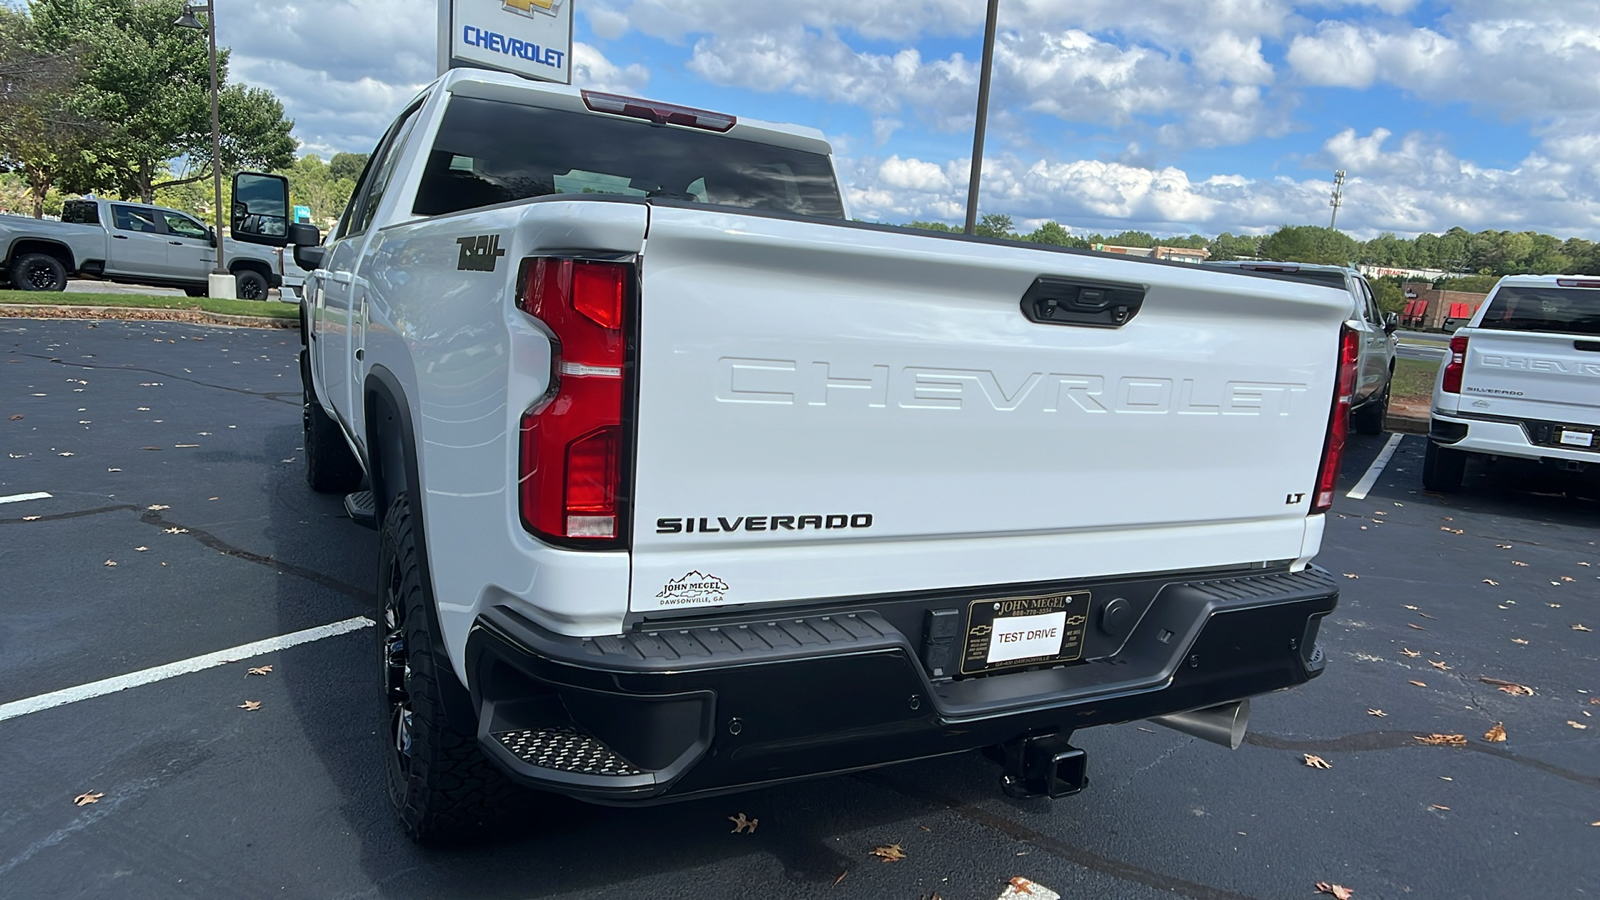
(490, 152)
(1543, 308)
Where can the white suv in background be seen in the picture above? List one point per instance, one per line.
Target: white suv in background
(1377, 346)
(1522, 380)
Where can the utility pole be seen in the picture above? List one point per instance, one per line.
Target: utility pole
(983, 115)
(1338, 197)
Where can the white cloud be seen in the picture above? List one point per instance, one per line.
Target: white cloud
(1406, 186)
(591, 69)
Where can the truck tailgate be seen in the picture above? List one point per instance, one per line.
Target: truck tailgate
(828, 411)
(1527, 375)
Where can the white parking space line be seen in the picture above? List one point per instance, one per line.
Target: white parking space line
(18, 498)
(182, 667)
(1359, 492)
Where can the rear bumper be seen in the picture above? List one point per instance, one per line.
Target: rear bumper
(1503, 436)
(665, 714)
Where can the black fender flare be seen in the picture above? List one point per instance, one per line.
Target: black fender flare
(392, 469)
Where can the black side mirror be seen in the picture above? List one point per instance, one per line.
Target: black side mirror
(261, 208)
(308, 249)
(211, 236)
(1391, 321)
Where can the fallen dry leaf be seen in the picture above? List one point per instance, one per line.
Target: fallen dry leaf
(1594, 701)
(65, 453)
(1428, 617)
(141, 549)
(1519, 641)
(251, 705)
(258, 670)
(1416, 626)
(1581, 627)
(1407, 651)
(1419, 684)
(1551, 605)
(1316, 762)
(1497, 734)
(740, 823)
(109, 562)
(1339, 891)
(1348, 575)
(889, 853)
(16, 417)
(1409, 606)
(1377, 712)
(1518, 562)
(1510, 687)
(87, 798)
(1565, 578)
(1491, 582)
(174, 530)
(1437, 806)
(31, 518)
(841, 877)
(157, 506)
(1442, 740)
(1439, 664)
(185, 445)
(1578, 725)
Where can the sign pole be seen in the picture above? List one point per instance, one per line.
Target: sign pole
(983, 115)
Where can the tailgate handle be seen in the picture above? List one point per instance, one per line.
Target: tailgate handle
(1063, 301)
(1590, 346)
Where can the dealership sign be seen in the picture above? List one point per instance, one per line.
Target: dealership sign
(532, 38)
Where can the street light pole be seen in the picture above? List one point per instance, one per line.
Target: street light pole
(983, 115)
(221, 284)
(216, 136)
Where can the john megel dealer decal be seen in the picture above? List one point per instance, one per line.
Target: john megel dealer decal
(693, 587)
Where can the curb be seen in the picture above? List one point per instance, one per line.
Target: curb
(145, 314)
(1406, 424)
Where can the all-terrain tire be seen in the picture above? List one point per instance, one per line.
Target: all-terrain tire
(38, 272)
(1443, 470)
(250, 285)
(1369, 419)
(441, 786)
(331, 467)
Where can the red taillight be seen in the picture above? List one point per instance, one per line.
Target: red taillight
(570, 471)
(1454, 366)
(1338, 419)
(659, 113)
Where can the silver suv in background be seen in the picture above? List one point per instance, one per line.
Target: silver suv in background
(1377, 345)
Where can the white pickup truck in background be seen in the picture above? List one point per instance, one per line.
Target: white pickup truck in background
(130, 243)
(1522, 382)
(686, 484)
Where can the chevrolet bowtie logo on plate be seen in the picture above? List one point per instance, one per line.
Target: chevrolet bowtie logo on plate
(530, 7)
(980, 631)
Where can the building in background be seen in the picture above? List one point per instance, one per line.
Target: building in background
(1174, 254)
(1435, 310)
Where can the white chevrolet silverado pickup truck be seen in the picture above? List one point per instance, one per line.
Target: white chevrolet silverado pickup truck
(130, 243)
(1522, 382)
(687, 484)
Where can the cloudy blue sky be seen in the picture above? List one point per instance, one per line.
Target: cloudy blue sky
(1163, 115)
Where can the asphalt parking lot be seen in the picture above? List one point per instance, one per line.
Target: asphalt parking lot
(179, 524)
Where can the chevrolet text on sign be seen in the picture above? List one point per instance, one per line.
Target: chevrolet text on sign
(532, 38)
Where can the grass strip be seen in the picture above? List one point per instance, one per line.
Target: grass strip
(271, 308)
(1413, 379)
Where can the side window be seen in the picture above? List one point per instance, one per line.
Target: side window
(132, 218)
(183, 226)
(380, 168)
(1369, 305)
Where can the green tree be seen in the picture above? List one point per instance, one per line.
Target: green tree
(1054, 234)
(1310, 244)
(41, 134)
(1390, 297)
(1226, 246)
(149, 81)
(932, 226)
(347, 165)
(994, 225)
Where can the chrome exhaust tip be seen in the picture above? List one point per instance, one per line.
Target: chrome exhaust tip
(1224, 725)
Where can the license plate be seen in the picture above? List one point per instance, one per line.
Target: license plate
(1577, 438)
(1025, 631)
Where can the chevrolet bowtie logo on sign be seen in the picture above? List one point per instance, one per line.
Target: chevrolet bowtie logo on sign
(530, 7)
